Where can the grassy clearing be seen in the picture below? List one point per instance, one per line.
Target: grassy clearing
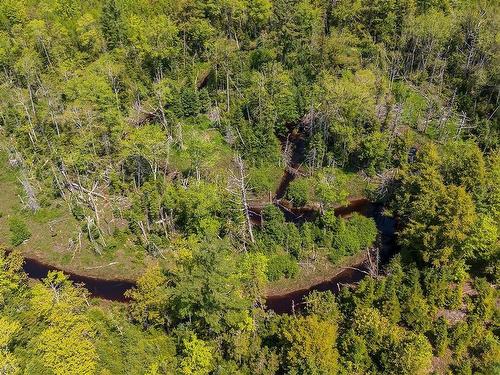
(203, 149)
(55, 235)
(356, 185)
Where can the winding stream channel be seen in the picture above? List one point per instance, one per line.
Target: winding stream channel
(288, 302)
(114, 290)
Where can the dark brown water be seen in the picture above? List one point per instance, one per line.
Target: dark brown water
(113, 290)
(289, 302)
(296, 140)
(300, 215)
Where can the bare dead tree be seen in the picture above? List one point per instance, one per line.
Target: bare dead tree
(32, 203)
(357, 270)
(398, 110)
(384, 182)
(463, 125)
(373, 266)
(164, 221)
(447, 112)
(238, 186)
(243, 188)
(287, 152)
(16, 161)
(29, 110)
(93, 241)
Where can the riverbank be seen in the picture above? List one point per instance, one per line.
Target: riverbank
(313, 274)
(111, 274)
(288, 297)
(113, 288)
(322, 270)
(284, 294)
(55, 237)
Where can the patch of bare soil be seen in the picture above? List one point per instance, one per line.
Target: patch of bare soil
(440, 364)
(452, 316)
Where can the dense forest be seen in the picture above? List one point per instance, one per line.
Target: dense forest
(205, 149)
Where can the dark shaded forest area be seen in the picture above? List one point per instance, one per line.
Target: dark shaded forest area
(206, 150)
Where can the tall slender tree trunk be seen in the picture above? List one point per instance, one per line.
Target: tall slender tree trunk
(244, 201)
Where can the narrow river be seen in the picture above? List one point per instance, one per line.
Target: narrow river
(114, 290)
(387, 246)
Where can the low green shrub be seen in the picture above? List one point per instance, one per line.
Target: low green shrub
(263, 179)
(282, 265)
(352, 236)
(299, 192)
(44, 215)
(19, 231)
(77, 211)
